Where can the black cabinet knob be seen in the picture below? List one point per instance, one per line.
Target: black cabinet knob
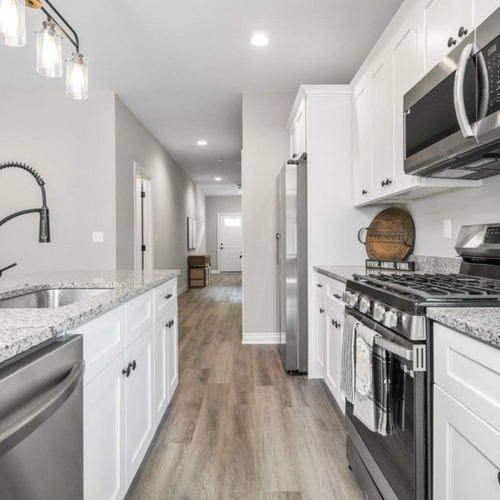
(462, 32)
(133, 365)
(451, 41)
(364, 192)
(321, 311)
(382, 183)
(126, 371)
(498, 477)
(388, 182)
(169, 296)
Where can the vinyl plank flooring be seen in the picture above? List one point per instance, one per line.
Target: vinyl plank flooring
(239, 427)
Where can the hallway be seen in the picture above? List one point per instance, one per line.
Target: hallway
(238, 426)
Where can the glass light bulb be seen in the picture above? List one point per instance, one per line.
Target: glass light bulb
(48, 51)
(13, 23)
(77, 77)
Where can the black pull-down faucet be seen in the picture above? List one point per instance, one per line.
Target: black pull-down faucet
(44, 229)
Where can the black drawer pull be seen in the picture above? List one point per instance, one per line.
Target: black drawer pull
(337, 296)
(319, 285)
(169, 296)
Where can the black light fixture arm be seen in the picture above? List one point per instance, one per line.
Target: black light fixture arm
(44, 230)
(75, 40)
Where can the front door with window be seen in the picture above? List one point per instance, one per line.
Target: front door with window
(230, 250)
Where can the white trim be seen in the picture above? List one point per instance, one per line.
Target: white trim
(215, 271)
(182, 289)
(223, 214)
(139, 170)
(261, 338)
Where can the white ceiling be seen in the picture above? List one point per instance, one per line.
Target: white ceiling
(181, 66)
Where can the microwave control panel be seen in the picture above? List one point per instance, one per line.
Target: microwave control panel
(491, 55)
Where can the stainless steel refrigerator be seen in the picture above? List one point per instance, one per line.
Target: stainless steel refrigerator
(291, 260)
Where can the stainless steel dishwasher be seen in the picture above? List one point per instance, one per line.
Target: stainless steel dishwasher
(41, 424)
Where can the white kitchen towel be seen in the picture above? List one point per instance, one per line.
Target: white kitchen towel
(364, 405)
(348, 372)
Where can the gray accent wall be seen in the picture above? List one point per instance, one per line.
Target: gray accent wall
(72, 145)
(175, 197)
(218, 205)
(265, 149)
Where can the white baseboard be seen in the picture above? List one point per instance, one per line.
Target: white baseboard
(215, 271)
(182, 289)
(261, 338)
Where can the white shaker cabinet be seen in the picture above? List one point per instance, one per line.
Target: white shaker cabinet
(173, 361)
(320, 335)
(362, 178)
(481, 9)
(298, 132)
(104, 434)
(466, 458)
(334, 325)
(139, 402)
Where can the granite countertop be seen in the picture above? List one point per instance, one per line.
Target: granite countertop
(340, 273)
(23, 329)
(482, 323)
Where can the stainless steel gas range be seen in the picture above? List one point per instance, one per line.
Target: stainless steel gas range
(396, 466)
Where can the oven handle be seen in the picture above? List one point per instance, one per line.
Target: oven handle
(394, 348)
(458, 91)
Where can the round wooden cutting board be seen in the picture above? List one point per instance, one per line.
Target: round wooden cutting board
(391, 235)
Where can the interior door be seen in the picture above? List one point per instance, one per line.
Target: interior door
(230, 248)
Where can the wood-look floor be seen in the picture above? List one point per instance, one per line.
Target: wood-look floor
(239, 427)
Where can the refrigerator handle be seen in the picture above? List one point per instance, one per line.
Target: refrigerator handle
(278, 249)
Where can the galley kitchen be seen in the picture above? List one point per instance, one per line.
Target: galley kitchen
(250, 250)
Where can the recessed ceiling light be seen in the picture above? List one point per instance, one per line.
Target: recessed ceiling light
(259, 40)
(202, 143)
(218, 178)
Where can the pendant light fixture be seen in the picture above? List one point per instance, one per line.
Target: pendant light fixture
(13, 23)
(48, 51)
(49, 39)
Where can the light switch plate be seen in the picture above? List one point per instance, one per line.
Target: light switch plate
(447, 229)
(97, 237)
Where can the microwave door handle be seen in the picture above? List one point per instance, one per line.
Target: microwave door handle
(483, 81)
(458, 92)
(394, 348)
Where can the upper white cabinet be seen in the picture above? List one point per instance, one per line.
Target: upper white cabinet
(298, 144)
(416, 40)
(440, 23)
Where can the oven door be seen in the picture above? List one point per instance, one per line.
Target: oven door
(396, 462)
(440, 111)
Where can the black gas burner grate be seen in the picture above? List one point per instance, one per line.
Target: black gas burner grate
(436, 286)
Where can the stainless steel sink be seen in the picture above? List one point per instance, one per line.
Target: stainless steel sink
(54, 297)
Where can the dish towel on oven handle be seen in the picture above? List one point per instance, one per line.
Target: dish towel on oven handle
(348, 371)
(371, 393)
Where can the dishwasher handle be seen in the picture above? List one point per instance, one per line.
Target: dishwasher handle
(21, 429)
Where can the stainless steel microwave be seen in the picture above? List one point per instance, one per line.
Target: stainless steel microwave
(452, 116)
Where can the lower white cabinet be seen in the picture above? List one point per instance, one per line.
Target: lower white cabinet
(139, 402)
(466, 452)
(125, 401)
(320, 335)
(166, 362)
(104, 433)
(333, 329)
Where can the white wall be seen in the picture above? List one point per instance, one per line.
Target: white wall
(72, 145)
(175, 197)
(218, 205)
(265, 149)
(467, 206)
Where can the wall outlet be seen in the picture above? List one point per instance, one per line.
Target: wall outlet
(447, 229)
(97, 237)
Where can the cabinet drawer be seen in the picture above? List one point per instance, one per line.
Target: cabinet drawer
(468, 370)
(319, 283)
(140, 316)
(165, 296)
(333, 293)
(103, 340)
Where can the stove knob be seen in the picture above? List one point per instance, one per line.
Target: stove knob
(378, 312)
(364, 305)
(391, 319)
(353, 299)
(345, 297)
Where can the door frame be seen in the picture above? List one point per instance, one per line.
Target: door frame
(224, 214)
(138, 170)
